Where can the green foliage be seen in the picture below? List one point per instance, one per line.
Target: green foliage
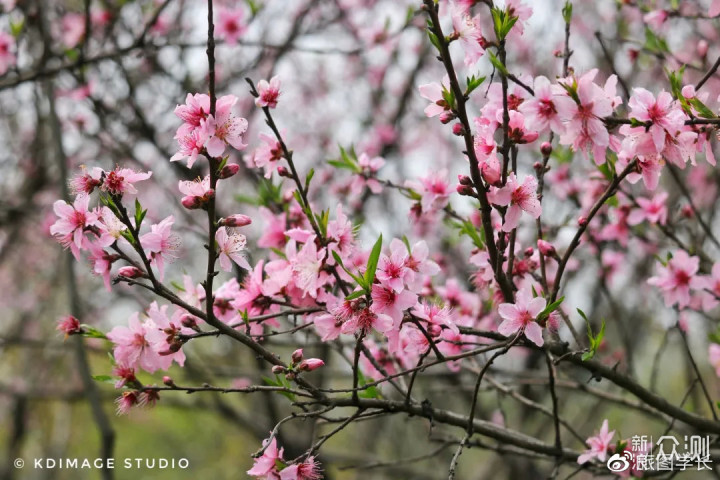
(503, 22)
(373, 262)
(567, 12)
(473, 82)
(497, 63)
(347, 160)
(593, 339)
(655, 43)
(267, 194)
(281, 381)
(549, 309)
(370, 392)
(92, 332)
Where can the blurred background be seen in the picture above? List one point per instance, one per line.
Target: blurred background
(95, 82)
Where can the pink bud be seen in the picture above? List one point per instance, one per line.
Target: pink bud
(191, 202)
(228, 171)
(546, 149)
(434, 330)
(529, 251)
(297, 355)
(465, 190)
(546, 248)
(168, 381)
(688, 91)
(310, 364)
(464, 180)
(283, 172)
(490, 175)
(69, 325)
(446, 117)
(278, 369)
(582, 221)
(130, 272)
(237, 220)
(188, 321)
(458, 129)
(702, 48)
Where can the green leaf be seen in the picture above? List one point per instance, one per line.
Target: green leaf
(17, 26)
(92, 332)
(701, 108)
(373, 262)
(567, 12)
(497, 63)
(655, 43)
(308, 178)
(551, 308)
(473, 82)
(370, 392)
(103, 378)
(434, 39)
(354, 295)
(360, 281)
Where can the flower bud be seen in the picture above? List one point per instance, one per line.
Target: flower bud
(228, 171)
(278, 369)
(131, 272)
(434, 330)
(546, 149)
(310, 364)
(168, 381)
(191, 202)
(290, 376)
(458, 129)
(465, 190)
(688, 91)
(582, 221)
(188, 321)
(446, 117)
(283, 172)
(546, 248)
(702, 48)
(528, 252)
(464, 180)
(237, 220)
(69, 325)
(297, 355)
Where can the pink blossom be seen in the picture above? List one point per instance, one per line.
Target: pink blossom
(584, 128)
(656, 18)
(521, 315)
(435, 315)
(469, 31)
(664, 113)
(86, 183)
(266, 465)
(677, 278)
(434, 189)
(267, 155)
(73, 219)
(417, 263)
(125, 402)
(229, 24)
(388, 302)
(434, 93)
(229, 247)
(540, 112)
(132, 346)
(7, 57)
(519, 197)
(268, 93)
(197, 192)
(366, 178)
(340, 233)
(192, 142)
(306, 265)
(224, 128)
(195, 110)
(366, 320)
(714, 10)
(101, 263)
(714, 357)
(517, 131)
(653, 210)
(72, 26)
(161, 243)
(599, 445)
(307, 470)
(120, 181)
(391, 269)
(69, 325)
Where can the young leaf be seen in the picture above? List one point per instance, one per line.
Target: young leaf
(373, 262)
(360, 281)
